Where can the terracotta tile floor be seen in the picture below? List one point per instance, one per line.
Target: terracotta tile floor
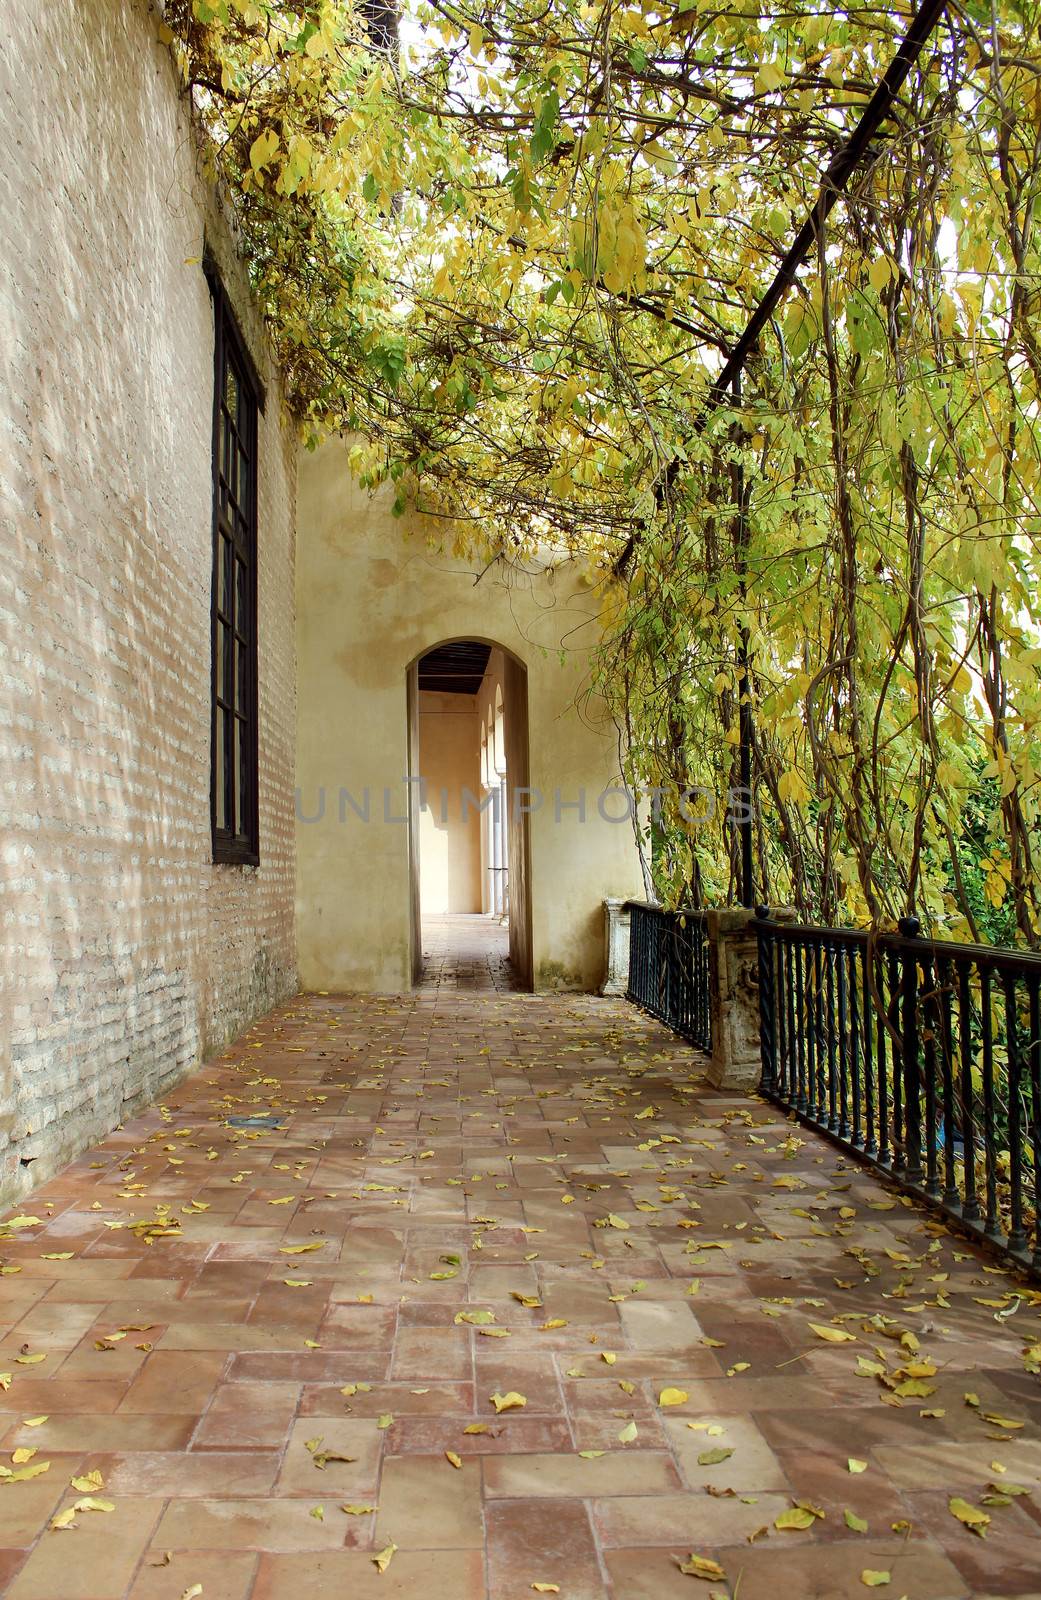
(466, 953)
(262, 1347)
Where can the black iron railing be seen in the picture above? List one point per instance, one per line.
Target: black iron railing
(669, 969)
(922, 1056)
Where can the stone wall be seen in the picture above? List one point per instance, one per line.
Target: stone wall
(126, 953)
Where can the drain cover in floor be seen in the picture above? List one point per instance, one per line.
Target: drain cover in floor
(255, 1122)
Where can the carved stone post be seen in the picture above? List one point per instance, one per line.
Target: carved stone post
(734, 985)
(616, 935)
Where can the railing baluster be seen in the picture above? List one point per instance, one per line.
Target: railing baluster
(970, 1204)
(856, 1090)
(793, 1029)
(931, 1018)
(817, 1096)
(1017, 1237)
(801, 1029)
(843, 1027)
(831, 1039)
(909, 1062)
(870, 1108)
(1034, 984)
(896, 1056)
(989, 1150)
(945, 982)
(781, 1020)
(885, 1153)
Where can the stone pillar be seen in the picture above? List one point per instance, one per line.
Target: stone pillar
(734, 996)
(616, 934)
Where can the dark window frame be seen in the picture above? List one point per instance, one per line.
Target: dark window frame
(234, 783)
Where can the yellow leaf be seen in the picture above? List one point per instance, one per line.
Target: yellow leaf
(263, 149)
(88, 1482)
(22, 1455)
(29, 1361)
(301, 1249)
(58, 1255)
(857, 1524)
(795, 1518)
(546, 1588)
(358, 1510)
(856, 1466)
(89, 1503)
(453, 1459)
(832, 1335)
(33, 1422)
(509, 1401)
(384, 1421)
(608, 1356)
(381, 1561)
(192, 1592)
(972, 1517)
(628, 1433)
(673, 1397)
(874, 1580)
(64, 1519)
(614, 1221)
(701, 1567)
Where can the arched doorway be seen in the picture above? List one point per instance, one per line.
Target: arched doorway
(469, 867)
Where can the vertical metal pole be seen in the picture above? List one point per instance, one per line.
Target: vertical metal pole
(744, 704)
(767, 1007)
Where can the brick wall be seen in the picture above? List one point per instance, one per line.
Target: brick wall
(125, 954)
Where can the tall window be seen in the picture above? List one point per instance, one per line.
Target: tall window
(234, 734)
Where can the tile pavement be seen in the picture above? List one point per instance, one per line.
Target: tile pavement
(247, 1326)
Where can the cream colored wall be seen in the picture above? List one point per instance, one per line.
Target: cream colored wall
(449, 842)
(368, 602)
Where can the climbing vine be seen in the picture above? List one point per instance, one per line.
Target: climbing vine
(508, 246)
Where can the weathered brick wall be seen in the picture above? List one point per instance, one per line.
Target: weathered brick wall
(126, 954)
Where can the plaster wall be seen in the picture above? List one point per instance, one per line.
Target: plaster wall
(369, 601)
(449, 834)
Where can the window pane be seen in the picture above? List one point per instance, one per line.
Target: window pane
(231, 392)
(223, 568)
(240, 767)
(242, 587)
(241, 664)
(221, 774)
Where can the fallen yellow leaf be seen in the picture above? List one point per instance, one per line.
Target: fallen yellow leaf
(973, 1518)
(702, 1567)
(509, 1402)
(382, 1559)
(831, 1335)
